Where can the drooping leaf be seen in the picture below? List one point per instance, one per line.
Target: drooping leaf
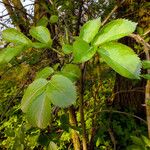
(44, 73)
(67, 49)
(32, 92)
(15, 36)
(90, 29)
(43, 21)
(82, 51)
(114, 30)
(41, 34)
(122, 59)
(39, 111)
(10, 52)
(52, 146)
(61, 91)
(146, 64)
(71, 71)
(146, 76)
(53, 19)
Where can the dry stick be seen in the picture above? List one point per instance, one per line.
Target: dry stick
(110, 14)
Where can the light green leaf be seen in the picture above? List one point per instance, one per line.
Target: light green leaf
(137, 140)
(10, 52)
(90, 29)
(39, 45)
(146, 64)
(44, 73)
(61, 91)
(52, 146)
(146, 140)
(33, 91)
(42, 34)
(43, 21)
(146, 76)
(67, 49)
(15, 36)
(82, 51)
(71, 71)
(39, 111)
(122, 59)
(114, 30)
(53, 19)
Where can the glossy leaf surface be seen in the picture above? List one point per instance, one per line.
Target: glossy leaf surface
(122, 59)
(115, 30)
(15, 36)
(90, 29)
(82, 51)
(61, 91)
(41, 34)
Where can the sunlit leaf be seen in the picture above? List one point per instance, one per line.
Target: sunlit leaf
(114, 30)
(41, 34)
(33, 91)
(61, 91)
(90, 29)
(7, 54)
(52, 146)
(67, 49)
(44, 73)
(39, 111)
(15, 36)
(43, 21)
(82, 51)
(122, 59)
(71, 71)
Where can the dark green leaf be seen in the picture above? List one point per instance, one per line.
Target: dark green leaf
(71, 71)
(82, 51)
(33, 91)
(61, 91)
(15, 36)
(44, 73)
(114, 30)
(122, 59)
(42, 34)
(90, 29)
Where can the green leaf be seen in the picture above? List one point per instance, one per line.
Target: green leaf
(71, 71)
(44, 73)
(52, 146)
(43, 21)
(15, 36)
(41, 34)
(61, 91)
(90, 29)
(67, 49)
(146, 140)
(82, 51)
(33, 91)
(53, 19)
(137, 140)
(39, 111)
(114, 30)
(39, 45)
(146, 64)
(122, 59)
(146, 76)
(9, 53)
